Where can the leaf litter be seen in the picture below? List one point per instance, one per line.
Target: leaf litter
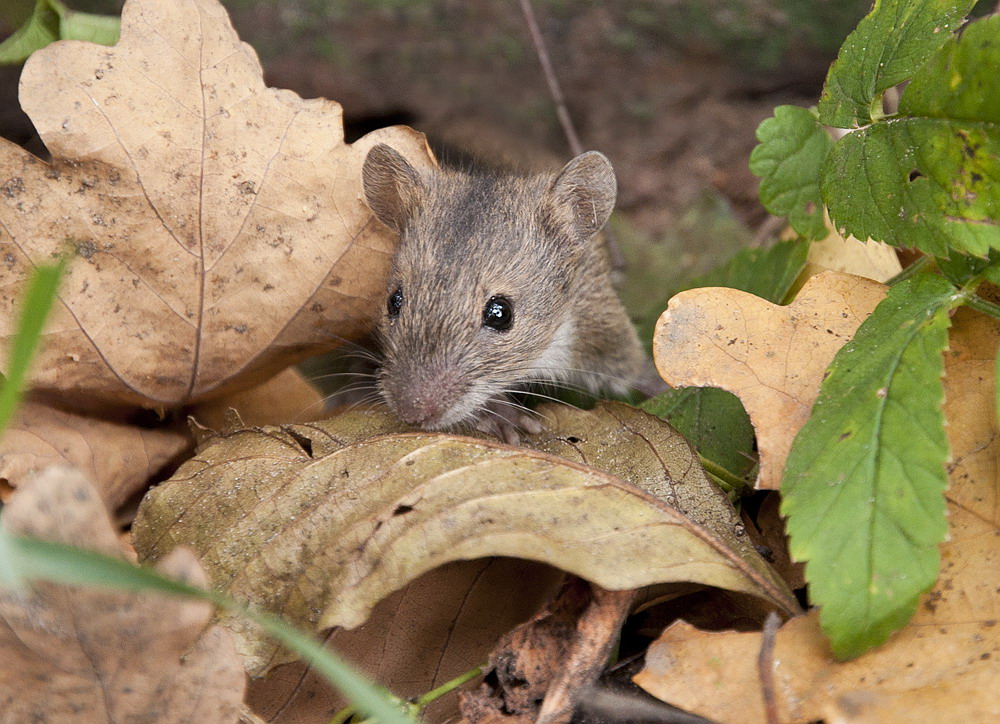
(70, 653)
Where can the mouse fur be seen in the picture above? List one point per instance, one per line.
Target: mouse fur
(469, 238)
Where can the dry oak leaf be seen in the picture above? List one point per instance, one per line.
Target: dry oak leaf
(320, 522)
(218, 225)
(439, 626)
(286, 397)
(93, 655)
(772, 357)
(944, 665)
(120, 457)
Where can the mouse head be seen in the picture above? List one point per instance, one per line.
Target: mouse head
(484, 290)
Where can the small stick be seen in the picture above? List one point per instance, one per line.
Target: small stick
(550, 78)
(765, 667)
(615, 256)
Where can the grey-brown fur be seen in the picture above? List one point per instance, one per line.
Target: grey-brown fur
(466, 238)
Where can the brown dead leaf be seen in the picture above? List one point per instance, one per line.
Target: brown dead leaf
(121, 457)
(320, 522)
(437, 627)
(944, 665)
(847, 254)
(93, 655)
(772, 357)
(219, 226)
(286, 397)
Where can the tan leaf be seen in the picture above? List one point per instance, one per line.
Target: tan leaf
(94, 655)
(436, 628)
(219, 226)
(120, 457)
(772, 357)
(286, 397)
(871, 259)
(944, 665)
(321, 521)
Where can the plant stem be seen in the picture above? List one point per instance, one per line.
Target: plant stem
(981, 305)
(723, 478)
(450, 686)
(910, 270)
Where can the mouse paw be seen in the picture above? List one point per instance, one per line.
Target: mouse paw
(508, 421)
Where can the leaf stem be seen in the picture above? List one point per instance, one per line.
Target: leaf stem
(910, 271)
(981, 305)
(450, 686)
(730, 483)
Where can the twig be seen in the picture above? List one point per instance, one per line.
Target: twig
(615, 256)
(765, 667)
(550, 78)
(596, 632)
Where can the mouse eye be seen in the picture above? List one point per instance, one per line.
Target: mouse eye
(498, 314)
(395, 302)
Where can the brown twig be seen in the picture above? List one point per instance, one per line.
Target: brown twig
(596, 631)
(765, 667)
(615, 256)
(550, 78)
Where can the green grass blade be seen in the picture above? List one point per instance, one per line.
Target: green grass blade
(37, 303)
(863, 487)
(61, 563)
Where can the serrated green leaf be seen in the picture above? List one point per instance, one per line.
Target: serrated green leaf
(792, 150)
(101, 29)
(864, 481)
(767, 273)
(712, 420)
(931, 179)
(959, 268)
(41, 29)
(888, 46)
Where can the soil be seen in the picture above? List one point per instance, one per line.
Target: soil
(671, 91)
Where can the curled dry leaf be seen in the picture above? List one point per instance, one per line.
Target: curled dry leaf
(218, 226)
(320, 522)
(77, 654)
(944, 665)
(437, 627)
(771, 357)
(120, 457)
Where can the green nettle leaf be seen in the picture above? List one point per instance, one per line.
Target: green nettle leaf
(41, 29)
(864, 481)
(101, 29)
(713, 420)
(930, 177)
(793, 147)
(888, 46)
(767, 273)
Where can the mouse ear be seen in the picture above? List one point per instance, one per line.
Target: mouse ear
(392, 186)
(587, 186)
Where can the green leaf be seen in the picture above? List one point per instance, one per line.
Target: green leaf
(960, 269)
(929, 178)
(101, 29)
(41, 29)
(864, 481)
(712, 420)
(767, 273)
(793, 148)
(888, 46)
(48, 560)
(38, 300)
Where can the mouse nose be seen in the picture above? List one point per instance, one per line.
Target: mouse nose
(422, 398)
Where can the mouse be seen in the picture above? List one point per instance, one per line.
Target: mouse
(500, 281)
